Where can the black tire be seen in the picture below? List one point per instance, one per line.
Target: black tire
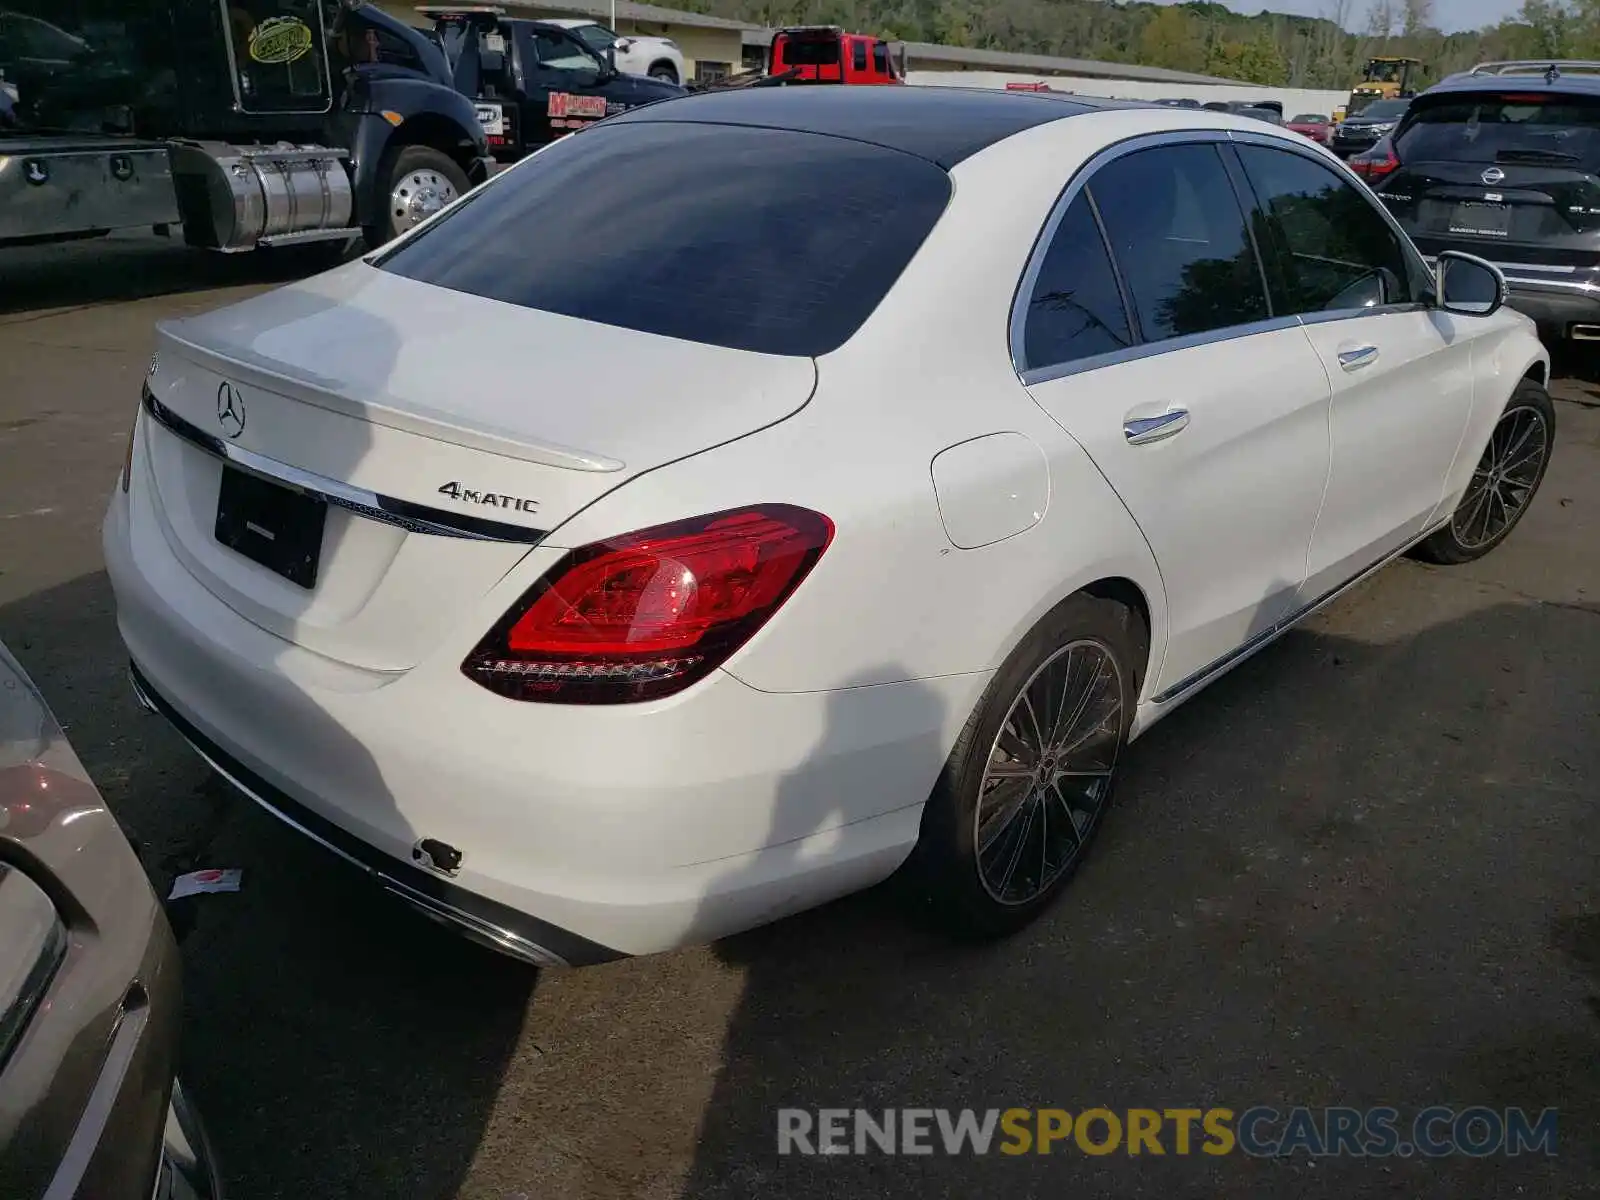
(397, 165)
(664, 71)
(958, 883)
(1523, 438)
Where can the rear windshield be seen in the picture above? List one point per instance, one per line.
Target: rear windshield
(1504, 128)
(756, 239)
(808, 51)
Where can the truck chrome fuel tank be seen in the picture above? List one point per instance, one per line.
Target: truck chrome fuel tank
(239, 197)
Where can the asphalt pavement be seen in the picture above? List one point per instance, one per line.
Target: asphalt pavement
(1361, 869)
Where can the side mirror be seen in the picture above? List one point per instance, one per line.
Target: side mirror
(1468, 285)
(609, 70)
(621, 44)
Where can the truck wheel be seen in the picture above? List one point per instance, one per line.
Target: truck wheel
(421, 181)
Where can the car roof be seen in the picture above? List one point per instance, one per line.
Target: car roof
(1533, 80)
(941, 124)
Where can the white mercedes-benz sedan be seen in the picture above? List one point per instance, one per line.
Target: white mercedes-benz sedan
(761, 491)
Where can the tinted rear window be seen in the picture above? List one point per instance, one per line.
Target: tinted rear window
(1504, 128)
(809, 52)
(756, 239)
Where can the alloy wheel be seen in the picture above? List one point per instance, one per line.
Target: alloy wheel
(1049, 772)
(1504, 479)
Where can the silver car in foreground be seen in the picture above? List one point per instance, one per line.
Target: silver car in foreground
(89, 992)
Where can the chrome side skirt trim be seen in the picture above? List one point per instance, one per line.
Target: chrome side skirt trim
(387, 510)
(1187, 687)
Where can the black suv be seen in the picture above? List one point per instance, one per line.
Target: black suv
(1504, 162)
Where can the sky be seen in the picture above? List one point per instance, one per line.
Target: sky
(1451, 16)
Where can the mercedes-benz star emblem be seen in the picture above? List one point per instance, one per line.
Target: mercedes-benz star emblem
(230, 410)
(1493, 176)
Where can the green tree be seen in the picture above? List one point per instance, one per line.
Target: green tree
(1256, 61)
(1171, 40)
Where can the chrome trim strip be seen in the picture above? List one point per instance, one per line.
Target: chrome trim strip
(386, 510)
(1561, 285)
(1212, 671)
(1151, 349)
(1553, 269)
(503, 939)
(119, 1057)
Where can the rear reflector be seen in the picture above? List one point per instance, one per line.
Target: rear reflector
(646, 614)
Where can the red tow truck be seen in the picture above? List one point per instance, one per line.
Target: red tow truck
(827, 54)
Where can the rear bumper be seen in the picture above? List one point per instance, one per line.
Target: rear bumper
(1556, 311)
(1556, 297)
(496, 925)
(585, 832)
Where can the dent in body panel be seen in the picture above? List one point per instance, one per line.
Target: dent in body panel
(990, 488)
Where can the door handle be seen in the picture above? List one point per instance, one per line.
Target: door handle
(1358, 357)
(1141, 431)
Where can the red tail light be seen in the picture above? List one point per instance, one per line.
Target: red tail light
(1376, 163)
(646, 614)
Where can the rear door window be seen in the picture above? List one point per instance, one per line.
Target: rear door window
(880, 59)
(1336, 250)
(1178, 235)
(1075, 310)
(788, 253)
(1539, 129)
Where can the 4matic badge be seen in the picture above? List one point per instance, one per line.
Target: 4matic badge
(466, 495)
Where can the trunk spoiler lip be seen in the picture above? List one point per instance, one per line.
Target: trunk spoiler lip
(306, 387)
(387, 510)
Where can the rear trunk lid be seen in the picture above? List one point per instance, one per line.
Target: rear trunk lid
(1514, 177)
(452, 432)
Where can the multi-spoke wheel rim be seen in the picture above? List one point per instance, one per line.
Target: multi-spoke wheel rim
(1049, 772)
(1503, 482)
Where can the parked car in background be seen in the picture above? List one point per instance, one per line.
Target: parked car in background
(1361, 132)
(1255, 113)
(1504, 161)
(634, 54)
(89, 987)
(1312, 125)
(906, 589)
